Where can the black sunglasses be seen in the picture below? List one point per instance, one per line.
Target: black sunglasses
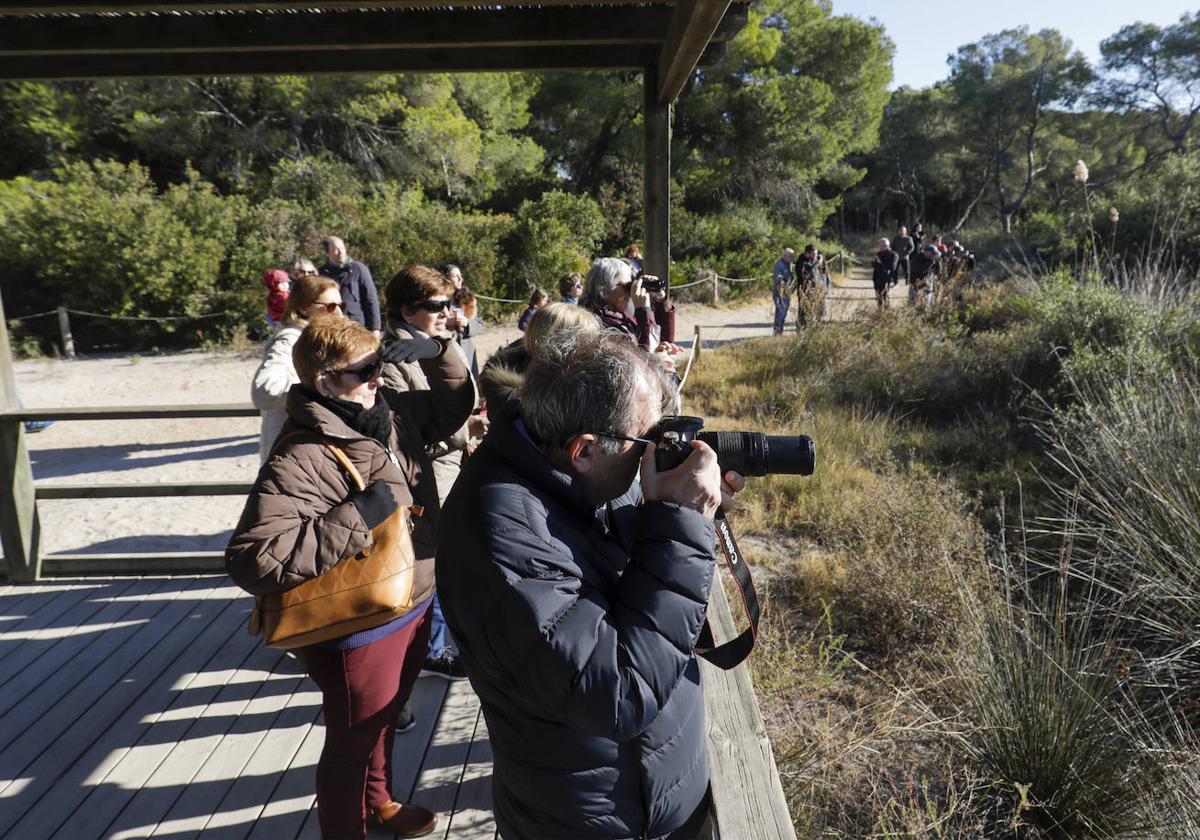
(433, 305)
(331, 307)
(365, 373)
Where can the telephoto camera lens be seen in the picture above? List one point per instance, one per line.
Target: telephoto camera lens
(753, 453)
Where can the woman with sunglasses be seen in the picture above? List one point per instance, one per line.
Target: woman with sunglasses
(417, 301)
(305, 515)
(310, 295)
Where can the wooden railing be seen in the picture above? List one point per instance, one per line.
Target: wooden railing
(20, 527)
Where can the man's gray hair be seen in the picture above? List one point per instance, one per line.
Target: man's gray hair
(605, 275)
(328, 241)
(584, 382)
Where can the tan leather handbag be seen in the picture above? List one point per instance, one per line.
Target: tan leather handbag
(364, 590)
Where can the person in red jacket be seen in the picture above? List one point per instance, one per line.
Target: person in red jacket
(279, 286)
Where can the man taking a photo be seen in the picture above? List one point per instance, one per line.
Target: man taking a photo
(577, 595)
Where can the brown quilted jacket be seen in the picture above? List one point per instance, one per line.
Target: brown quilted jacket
(298, 520)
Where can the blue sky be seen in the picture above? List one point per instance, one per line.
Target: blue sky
(925, 33)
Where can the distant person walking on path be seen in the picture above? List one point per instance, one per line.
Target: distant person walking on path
(306, 515)
(356, 284)
(903, 245)
(465, 325)
(276, 373)
(924, 273)
(813, 285)
(884, 268)
(781, 287)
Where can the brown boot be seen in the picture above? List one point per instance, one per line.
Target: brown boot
(405, 819)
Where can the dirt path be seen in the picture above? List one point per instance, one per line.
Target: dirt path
(219, 449)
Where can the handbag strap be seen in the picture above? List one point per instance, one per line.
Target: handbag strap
(341, 457)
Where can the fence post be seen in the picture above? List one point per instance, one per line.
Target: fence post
(697, 343)
(19, 530)
(842, 263)
(716, 289)
(64, 327)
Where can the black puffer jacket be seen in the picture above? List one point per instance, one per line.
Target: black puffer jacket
(577, 637)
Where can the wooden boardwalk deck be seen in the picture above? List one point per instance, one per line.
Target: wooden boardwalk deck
(141, 707)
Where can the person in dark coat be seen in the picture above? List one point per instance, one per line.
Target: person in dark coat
(355, 283)
(577, 595)
(620, 301)
(885, 268)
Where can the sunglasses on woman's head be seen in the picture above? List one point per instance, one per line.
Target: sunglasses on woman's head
(433, 305)
(365, 373)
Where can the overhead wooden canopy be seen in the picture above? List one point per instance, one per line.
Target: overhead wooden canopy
(55, 39)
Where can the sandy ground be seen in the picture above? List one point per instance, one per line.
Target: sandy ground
(216, 449)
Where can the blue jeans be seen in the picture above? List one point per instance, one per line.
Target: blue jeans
(783, 302)
(437, 629)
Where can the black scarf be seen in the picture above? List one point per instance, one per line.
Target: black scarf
(374, 422)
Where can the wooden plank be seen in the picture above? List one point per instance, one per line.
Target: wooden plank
(656, 181)
(97, 778)
(340, 30)
(202, 796)
(19, 527)
(176, 562)
(239, 683)
(34, 668)
(500, 59)
(442, 770)
(139, 491)
(692, 26)
(55, 735)
(52, 622)
(747, 794)
(294, 799)
(472, 818)
(408, 754)
(130, 412)
(246, 799)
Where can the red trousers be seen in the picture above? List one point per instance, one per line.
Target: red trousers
(362, 691)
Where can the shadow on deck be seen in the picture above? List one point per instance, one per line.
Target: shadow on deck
(137, 707)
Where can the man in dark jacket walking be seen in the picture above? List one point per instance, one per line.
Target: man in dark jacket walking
(359, 295)
(885, 267)
(576, 596)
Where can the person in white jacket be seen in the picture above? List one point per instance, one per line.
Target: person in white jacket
(276, 374)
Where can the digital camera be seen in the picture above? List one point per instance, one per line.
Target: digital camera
(749, 453)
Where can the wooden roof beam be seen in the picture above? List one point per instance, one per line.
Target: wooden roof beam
(117, 66)
(428, 28)
(74, 7)
(692, 26)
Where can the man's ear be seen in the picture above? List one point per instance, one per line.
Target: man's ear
(581, 451)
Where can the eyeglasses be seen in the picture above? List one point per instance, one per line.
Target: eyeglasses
(365, 373)
(433, 305)
(643, 441)
(331, 307)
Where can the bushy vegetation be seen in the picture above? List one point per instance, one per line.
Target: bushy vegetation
(982, 605)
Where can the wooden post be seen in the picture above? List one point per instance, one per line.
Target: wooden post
(18, 519)
(697, 344)
(656, 180)
(842, 263)
(716, 289)
(64, 327)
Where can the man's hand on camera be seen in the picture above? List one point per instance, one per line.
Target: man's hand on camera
(733, 482)
(696, 483)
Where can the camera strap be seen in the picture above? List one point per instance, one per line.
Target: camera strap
(732, 653)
